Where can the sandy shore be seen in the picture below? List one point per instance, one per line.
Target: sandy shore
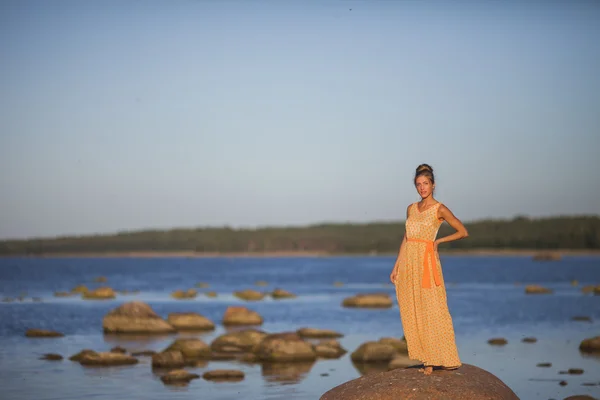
(192, 254)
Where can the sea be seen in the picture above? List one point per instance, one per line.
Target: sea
(486, 298)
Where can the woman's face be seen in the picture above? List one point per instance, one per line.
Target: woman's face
(424, 186)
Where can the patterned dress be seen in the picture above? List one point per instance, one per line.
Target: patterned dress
(421, 293)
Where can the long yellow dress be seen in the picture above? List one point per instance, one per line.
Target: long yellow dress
(421, 293)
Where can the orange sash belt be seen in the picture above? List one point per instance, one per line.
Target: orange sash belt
(429, 253)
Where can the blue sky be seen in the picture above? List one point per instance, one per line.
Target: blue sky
(126, 115)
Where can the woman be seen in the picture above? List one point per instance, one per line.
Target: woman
(417, 275)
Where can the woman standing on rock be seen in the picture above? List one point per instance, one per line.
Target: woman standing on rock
(418, 278)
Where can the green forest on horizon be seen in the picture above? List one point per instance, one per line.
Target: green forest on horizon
(562, 232)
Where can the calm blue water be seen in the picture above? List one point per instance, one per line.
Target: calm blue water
(485, 295)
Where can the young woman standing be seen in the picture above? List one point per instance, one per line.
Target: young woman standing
(419, 282)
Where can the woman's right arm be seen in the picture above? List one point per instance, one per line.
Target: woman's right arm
(394, 274)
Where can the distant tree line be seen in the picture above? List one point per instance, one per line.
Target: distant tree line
(384, 237)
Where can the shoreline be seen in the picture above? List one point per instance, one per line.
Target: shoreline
(290, 254)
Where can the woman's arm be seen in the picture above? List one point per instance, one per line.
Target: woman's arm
(447, 215)
(394, 273)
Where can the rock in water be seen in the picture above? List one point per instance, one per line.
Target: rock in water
(467, 382)
(135, 317)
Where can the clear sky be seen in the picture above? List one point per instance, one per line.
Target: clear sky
(126, 115)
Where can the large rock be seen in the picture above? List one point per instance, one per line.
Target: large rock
(590, 345)
(236, 315)
(284, 347)
(370, 300)
(546, 256)
(240, 341)
(399, 344)
(467, 382)
(330, 348)
(374, 352)
(168, 359)
(190, 321)
(190, 348)
(135, 317)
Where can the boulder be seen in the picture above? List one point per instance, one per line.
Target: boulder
(103, 293)
(467, 382)
(529, 340)
(135, 317)
(374, 352)
(101, 279)
(118, 349)
(282, 294)
(329, 349)
(369, 300)
(590, 345)
(202, 285)
(249, 295)
(399, 344)
(190, 321)
(236, 342)
(211, 294)
(318, 333)
(106, 359)
(236, 315)
(178, 376)
(537, 289)
(190, 348)
(42, 333)
(261, 283)
(168, 359)
(284, 347)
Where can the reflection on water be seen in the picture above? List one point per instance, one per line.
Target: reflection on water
(286, 372)
(136, 340)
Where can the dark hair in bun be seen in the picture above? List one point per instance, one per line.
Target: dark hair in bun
(426, 171)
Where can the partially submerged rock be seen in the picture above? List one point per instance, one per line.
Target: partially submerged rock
(168, 359)
(467, 382)
(284, 347)
(497, 341)
(369, 300)
(187, 294)
(590, 345)
(135, 317)
(106, 359)
(329, 349)
(237, 342)
(537, 289)
(318, 333)
(103, 293)
(374, 352)
(42, 333)
(236, 315)
(249, 295)
(178, 376)
(223, 375)
(190, 321)
(190, 348)
(282, 294)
